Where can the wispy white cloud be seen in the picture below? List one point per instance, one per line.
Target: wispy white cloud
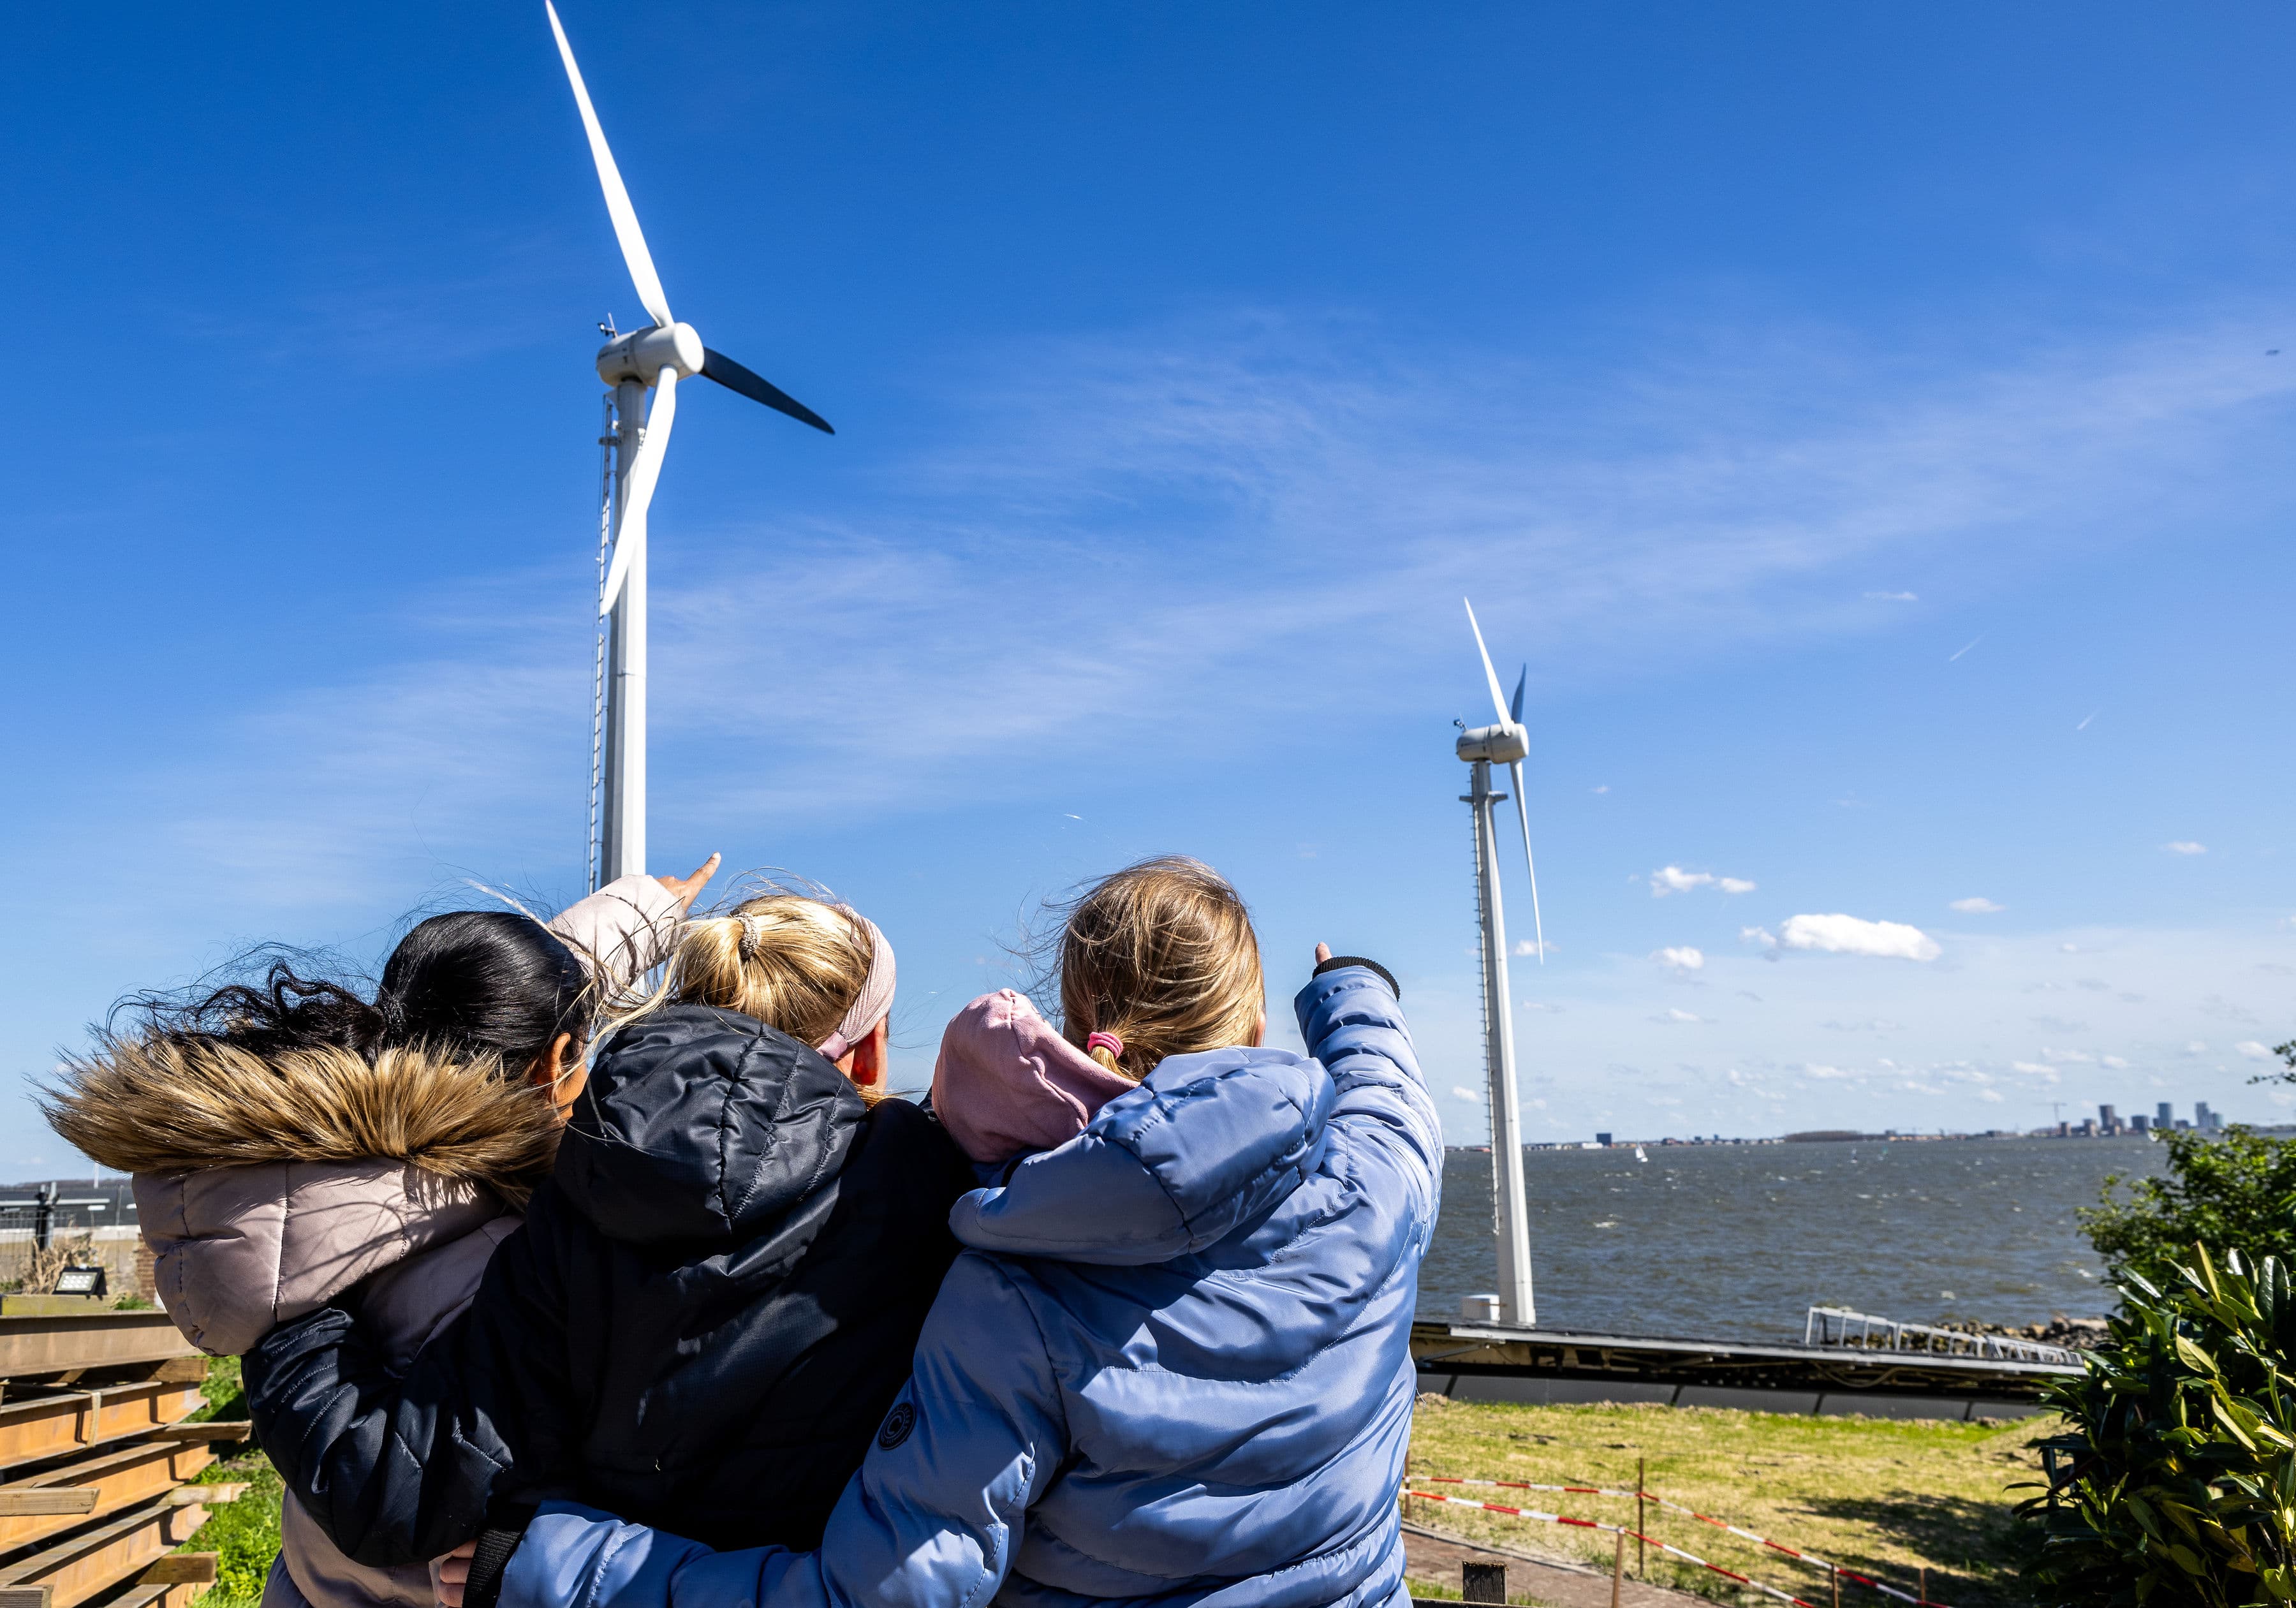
(1681, 958)
(2249, 1049)
(1852, 935)
(1978, 907)
(1674, 879)
(1892, 597)
(2185, 846)
(1676, 1014)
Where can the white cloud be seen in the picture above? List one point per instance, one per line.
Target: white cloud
(1892, 597)
(1993, 1094)
(2114, 1062)
(1675, 1013)
(2036, 1069)
(1812, 1071)
(2185, 846)
(1674, 879)
(2065, 1057)
(1758, 935)
(1850, 935)
(1683, 958)
(2197, 1047)
(1466, 1094)
(2252, 1050)
(1977, 907)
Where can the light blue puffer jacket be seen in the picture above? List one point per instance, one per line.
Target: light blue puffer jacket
(1172, 1368)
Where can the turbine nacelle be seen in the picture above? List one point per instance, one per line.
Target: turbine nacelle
(643, 354)
(1500, 744)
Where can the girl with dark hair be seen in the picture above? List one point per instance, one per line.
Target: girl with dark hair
(291, 1140)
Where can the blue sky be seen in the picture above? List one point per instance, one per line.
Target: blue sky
(1859, 421)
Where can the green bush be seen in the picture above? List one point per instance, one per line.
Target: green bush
(2178, 1482)
(2237, 1190)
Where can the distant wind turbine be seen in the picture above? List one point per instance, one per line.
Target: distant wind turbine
(1482, 747)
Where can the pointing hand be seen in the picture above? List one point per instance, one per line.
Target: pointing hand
(687, 888)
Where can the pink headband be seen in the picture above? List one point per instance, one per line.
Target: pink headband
(876, 999)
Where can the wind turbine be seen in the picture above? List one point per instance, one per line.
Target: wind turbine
(1482, 747)
(637, 436)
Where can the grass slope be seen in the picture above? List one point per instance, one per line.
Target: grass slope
(1881, 1496)
(245, 1534)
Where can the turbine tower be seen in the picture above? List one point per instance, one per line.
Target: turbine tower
(637, 436)
(1482, 747)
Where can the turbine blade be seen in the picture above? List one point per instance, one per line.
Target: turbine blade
(1499, 699)
(609, 179)
(733, 377)
(1514, 709)
(645, 474)
(1538, 927)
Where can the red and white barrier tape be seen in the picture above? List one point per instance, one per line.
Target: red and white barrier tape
(1620, 1529)
(1810, 1558)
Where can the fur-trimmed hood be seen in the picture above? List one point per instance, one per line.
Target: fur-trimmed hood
(269, 1184)
(184, 1104)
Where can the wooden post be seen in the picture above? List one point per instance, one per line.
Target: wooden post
(1834, 1571)
(1641, 1518)
(1483, 1583)
(1618, 1569)
(1925, 1583)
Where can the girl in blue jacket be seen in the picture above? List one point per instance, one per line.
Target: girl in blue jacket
(1172, 1365)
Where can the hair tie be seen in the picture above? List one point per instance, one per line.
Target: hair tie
(753, 932)
(1106, 1048)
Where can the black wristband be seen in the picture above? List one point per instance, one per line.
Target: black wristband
(506, 1523)
(1337, 961)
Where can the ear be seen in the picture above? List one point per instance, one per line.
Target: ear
(866, 1065)
(559, 1070)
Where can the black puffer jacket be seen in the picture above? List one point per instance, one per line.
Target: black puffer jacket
(708, 1310)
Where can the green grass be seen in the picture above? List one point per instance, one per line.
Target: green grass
(1882, 1497)
(244, 1535)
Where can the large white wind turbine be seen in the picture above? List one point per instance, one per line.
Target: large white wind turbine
(649, 359)
(1482, 747)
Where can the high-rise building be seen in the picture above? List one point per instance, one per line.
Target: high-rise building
(2108, 1120)
(1603, 1140)
(2138, 1123)
(2203, 1119)
(2164, 1115)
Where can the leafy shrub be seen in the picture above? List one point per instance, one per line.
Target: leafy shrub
(2237, 1190)
(2177, 1484)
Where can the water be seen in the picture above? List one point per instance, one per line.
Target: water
(1736, 1242)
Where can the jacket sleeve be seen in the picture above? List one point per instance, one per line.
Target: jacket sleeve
(1352, 1021)
(623, 931)
(400, 1469)
(931, 1518)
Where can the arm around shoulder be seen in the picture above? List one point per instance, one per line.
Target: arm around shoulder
(930, 1522)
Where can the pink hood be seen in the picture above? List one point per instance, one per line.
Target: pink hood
(1006, 1084)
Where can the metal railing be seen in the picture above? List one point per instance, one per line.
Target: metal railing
(1861, 1331)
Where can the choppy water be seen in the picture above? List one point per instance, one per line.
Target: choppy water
(1737, 1240)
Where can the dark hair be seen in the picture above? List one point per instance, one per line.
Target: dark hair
(484, 982)
(472, 982)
